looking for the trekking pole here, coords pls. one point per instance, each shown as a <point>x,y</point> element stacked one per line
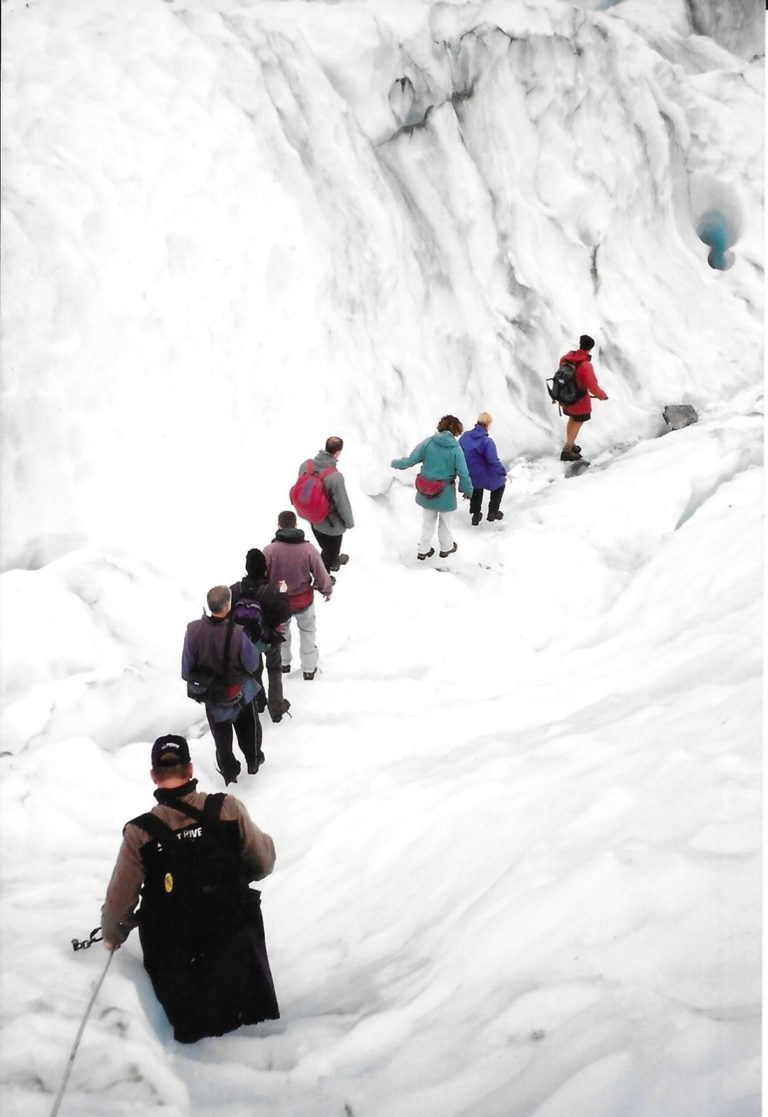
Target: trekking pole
<point>79,1036</point>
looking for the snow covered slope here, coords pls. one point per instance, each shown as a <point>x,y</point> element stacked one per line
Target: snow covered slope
<point>227,225</point>
<point>517,814</point>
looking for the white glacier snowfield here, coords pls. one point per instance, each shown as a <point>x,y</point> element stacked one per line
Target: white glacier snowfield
<point>517,814</point>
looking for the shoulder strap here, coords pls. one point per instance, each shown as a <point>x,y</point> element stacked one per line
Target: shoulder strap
<point>153,825</point>
<point>158,829</point>
<point>324,473</point>
<point>228,641</point>
<point>212,807</point>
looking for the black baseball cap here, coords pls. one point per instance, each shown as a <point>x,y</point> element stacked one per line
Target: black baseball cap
<point>170,750</point>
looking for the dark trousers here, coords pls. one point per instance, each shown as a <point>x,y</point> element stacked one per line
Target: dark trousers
<point>274,678</point>
<point>330,548</point>
<point>476,500</point>
<point>226,984</point>
<point>247,727</point>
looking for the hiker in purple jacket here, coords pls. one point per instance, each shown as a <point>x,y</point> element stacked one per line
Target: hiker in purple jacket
<point>215,644</point>
<point>485,469</point>
<point>295,561</point>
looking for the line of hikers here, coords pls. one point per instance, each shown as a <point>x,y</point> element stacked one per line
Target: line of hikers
<point>249,622</point>
<point>184,869</point>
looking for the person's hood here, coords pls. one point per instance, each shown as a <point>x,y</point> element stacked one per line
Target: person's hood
<point>289,535</point>
<point>444,438</point>
<point>324,460</point>
<point>250,585</point>
<point>477,434</point>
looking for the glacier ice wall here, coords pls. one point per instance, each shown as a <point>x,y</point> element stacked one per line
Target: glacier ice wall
<point>235,227</point>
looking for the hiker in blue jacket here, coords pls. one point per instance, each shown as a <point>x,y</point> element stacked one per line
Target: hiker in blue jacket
<point>443,461</point>
<point>485,469</point>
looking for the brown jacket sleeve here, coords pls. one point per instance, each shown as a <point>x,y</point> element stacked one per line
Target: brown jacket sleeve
<point>256,847</point>
<point>117,914</point>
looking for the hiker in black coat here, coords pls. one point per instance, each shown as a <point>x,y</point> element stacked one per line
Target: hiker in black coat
<point>200,924</point>
<point>276,611</point>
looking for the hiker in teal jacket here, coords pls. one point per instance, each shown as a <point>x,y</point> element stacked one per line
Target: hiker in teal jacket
<point>443,461</point>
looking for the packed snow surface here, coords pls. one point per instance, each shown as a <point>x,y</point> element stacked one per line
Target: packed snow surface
<point>517,814</point>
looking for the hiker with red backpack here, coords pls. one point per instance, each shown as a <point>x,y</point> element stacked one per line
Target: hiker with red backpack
<point>442,461</point>
<point>293,559</point>
<point>320,496</point>
<point>572,386</point>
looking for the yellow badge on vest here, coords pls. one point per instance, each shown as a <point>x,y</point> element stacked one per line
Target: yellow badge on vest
<point>168,882</point>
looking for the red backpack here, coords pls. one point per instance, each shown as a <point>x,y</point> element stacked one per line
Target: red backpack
<point>308,495</point>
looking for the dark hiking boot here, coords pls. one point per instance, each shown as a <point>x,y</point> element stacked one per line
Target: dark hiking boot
<point>285,668</point>
<point>342,560</point>
<point>569,456</point>
<point>577,448</point>
<point>495,516</point>
<point>309,675</point>
<point>254,765</point>
<point>277,715</point>
<point>476,518</point>
<point>231,774</point>
<point>445,554</point>
<point>429,554</point>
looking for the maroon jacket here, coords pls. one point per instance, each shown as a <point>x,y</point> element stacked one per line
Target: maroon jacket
<point>586,379</point>
<point>290,558</point>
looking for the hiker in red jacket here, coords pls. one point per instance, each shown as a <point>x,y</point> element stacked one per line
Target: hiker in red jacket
<point>580,411</point>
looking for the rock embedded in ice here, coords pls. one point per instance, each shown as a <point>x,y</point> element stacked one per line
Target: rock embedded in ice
<point>679,415</point>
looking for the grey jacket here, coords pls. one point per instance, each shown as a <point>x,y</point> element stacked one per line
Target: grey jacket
<point>340,517</point>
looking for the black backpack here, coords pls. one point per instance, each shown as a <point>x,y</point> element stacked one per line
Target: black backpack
<point>248,612</point>
<point>565,389</point>
<point>205,682</point>
<point>195,894</point>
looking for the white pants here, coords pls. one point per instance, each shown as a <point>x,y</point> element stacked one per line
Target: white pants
<point>444,529</point>
<point>308,652</point>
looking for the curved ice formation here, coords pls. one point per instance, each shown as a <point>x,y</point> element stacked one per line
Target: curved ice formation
<point>715,230</point>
